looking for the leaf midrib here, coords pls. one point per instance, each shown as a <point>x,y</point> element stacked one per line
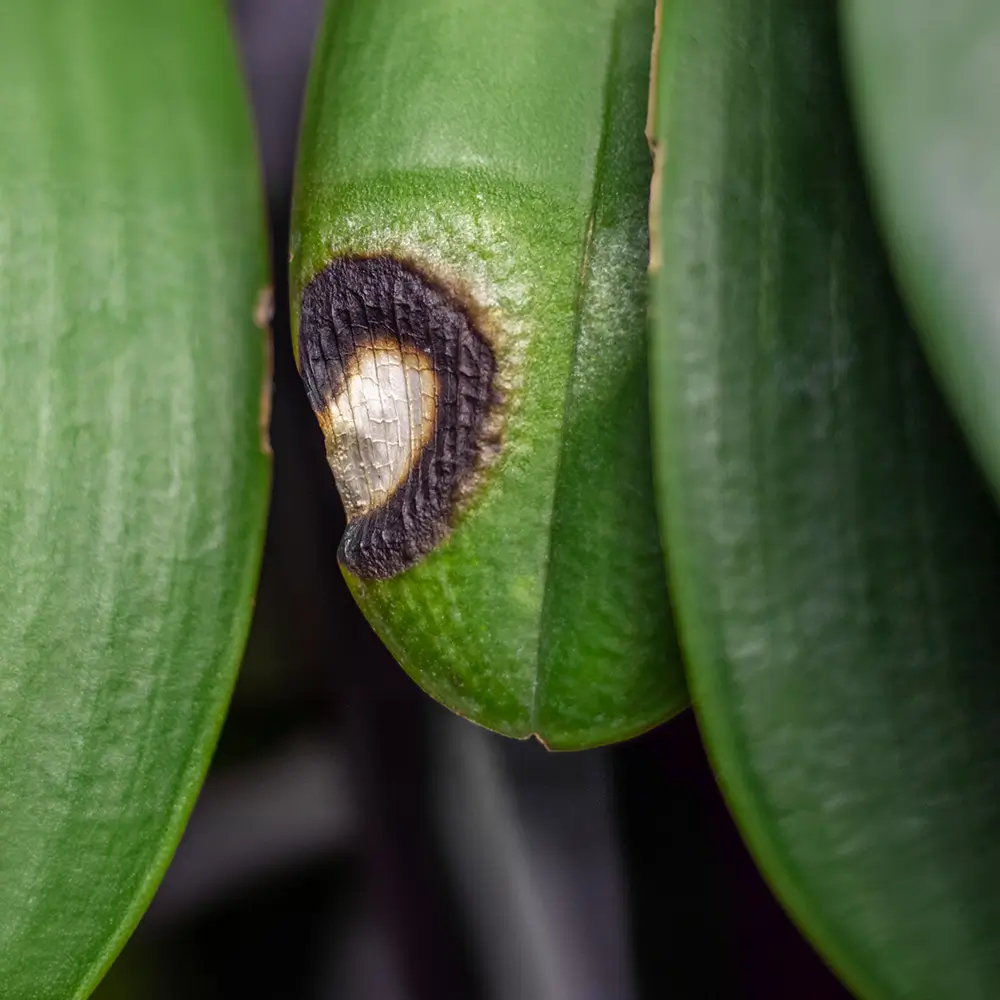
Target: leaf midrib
<point>583,281</point>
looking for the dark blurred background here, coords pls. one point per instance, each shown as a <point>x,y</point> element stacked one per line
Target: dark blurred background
<point>356,841</point>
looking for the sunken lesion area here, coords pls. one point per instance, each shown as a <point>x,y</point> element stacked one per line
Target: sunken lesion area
<point>403,385</point>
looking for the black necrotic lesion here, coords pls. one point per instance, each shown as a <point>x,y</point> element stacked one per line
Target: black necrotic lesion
<point>355,302</point>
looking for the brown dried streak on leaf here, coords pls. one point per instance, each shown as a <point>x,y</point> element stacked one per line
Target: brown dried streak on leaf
<point>659,157</point>
<point>263,312</point>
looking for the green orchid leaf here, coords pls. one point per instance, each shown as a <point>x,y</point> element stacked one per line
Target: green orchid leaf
<point>835,558</point>
<point>925,83</point>
<point>134,486</point>
<point>468,277</point>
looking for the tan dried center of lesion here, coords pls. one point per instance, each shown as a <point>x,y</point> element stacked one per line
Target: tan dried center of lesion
<point>379,423</point>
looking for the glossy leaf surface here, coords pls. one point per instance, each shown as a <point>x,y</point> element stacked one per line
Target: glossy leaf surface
<point>835,558</point>
<point>498,150</point>
<point>134,487</point>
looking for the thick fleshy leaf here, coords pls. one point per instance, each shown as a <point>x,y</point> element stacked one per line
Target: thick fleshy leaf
<point>925,81</point>
<point>469,250</point>
<point>134,486</point>
<point>835,559</point>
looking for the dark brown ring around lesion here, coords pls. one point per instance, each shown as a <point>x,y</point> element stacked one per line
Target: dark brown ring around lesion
<point>345,307</point>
